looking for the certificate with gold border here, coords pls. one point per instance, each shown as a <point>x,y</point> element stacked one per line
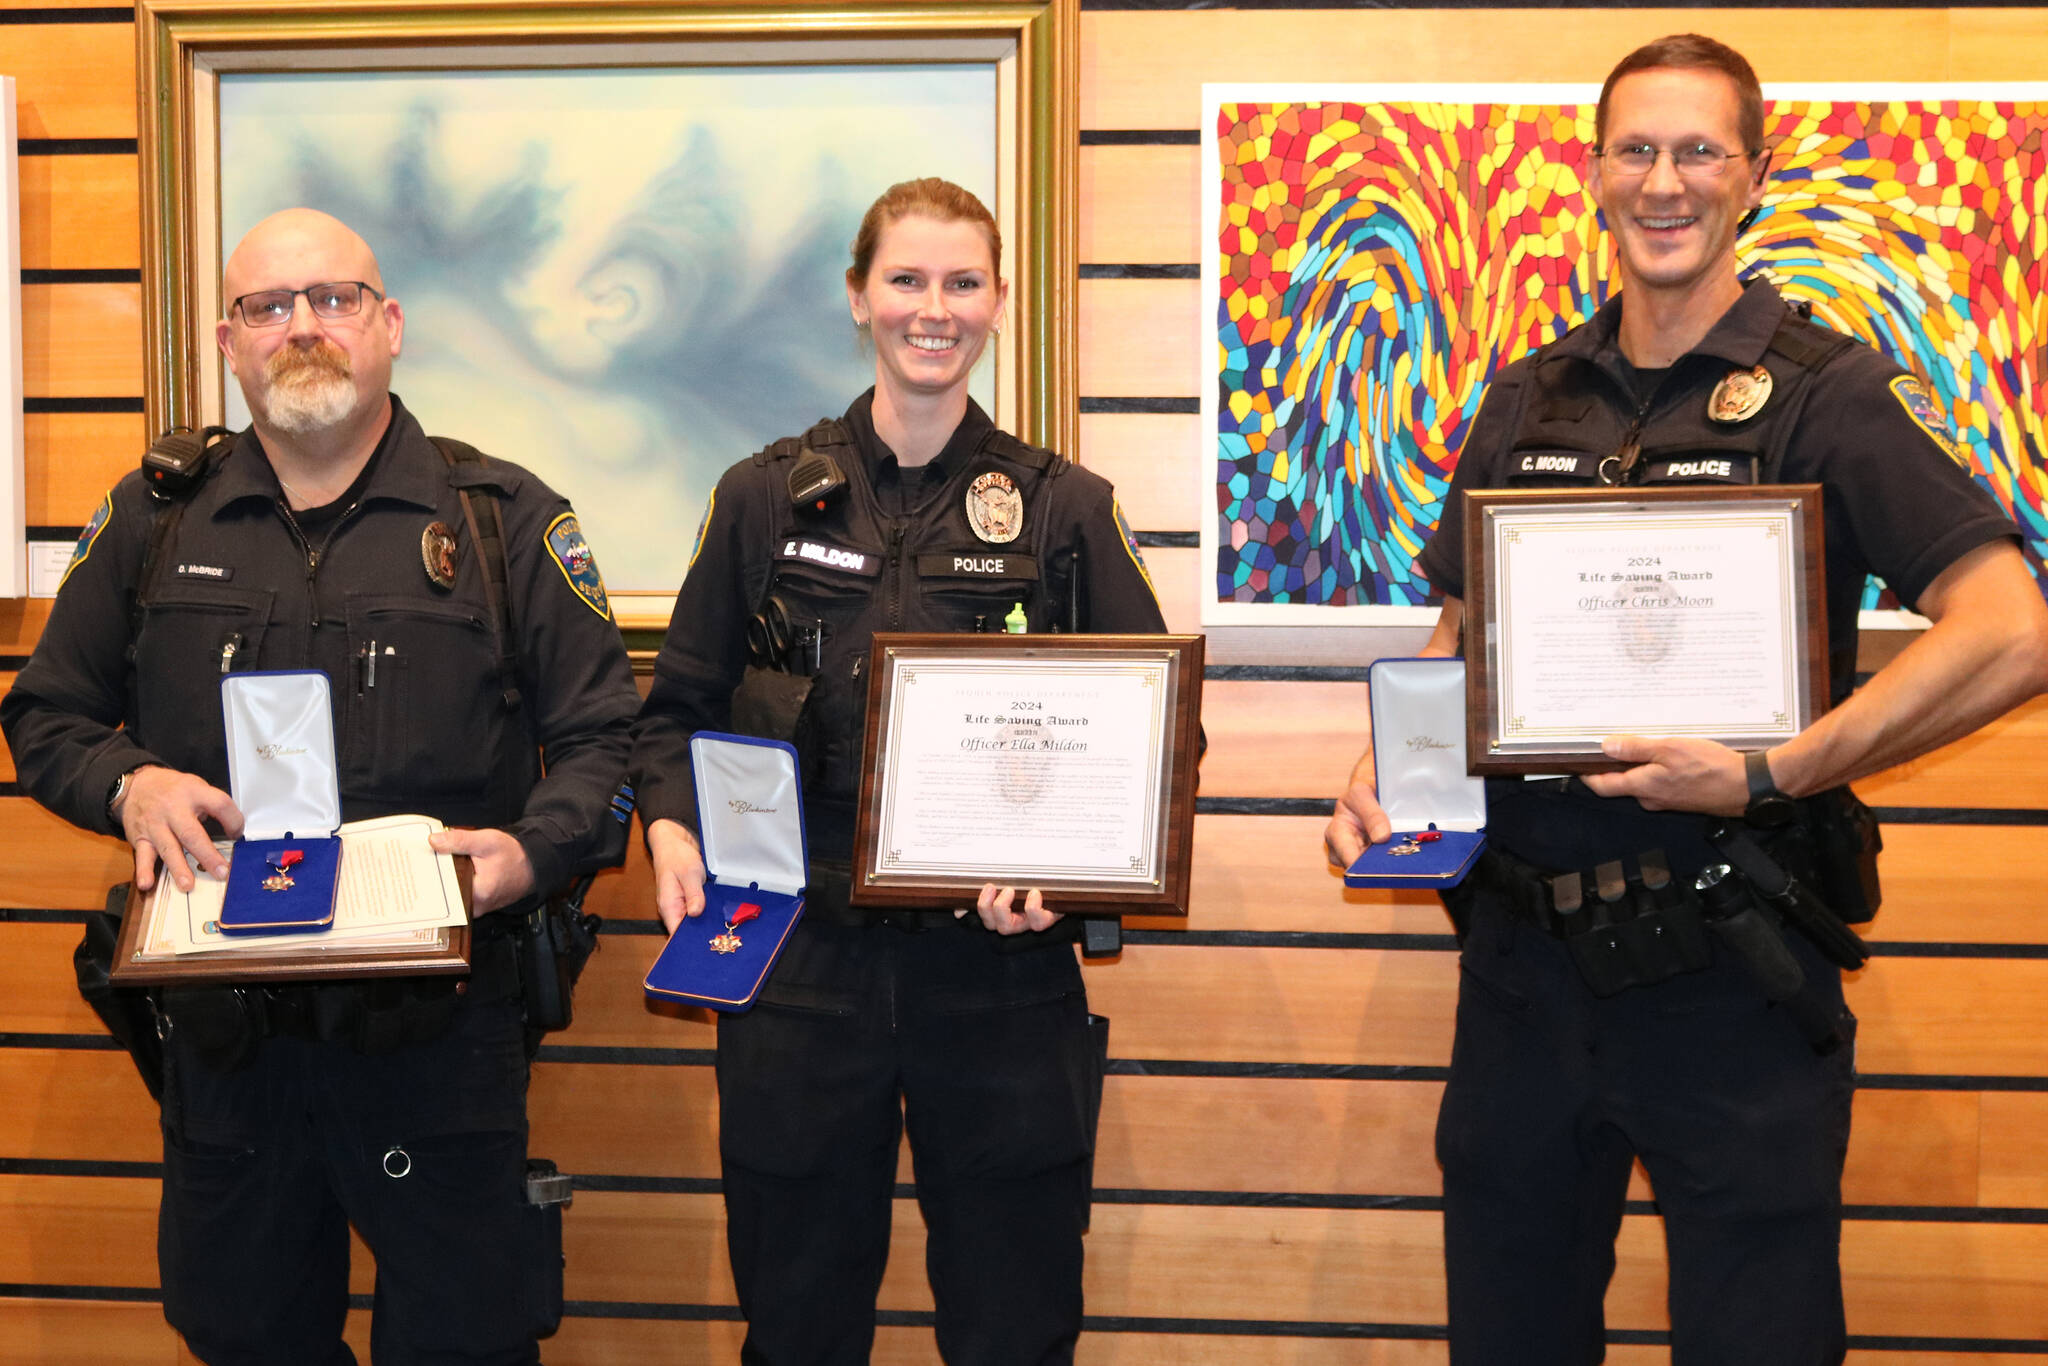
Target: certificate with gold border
<point>1685,611</point>
<point>1061,762</point>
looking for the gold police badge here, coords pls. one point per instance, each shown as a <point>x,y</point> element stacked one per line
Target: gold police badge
<point>994,508</point>
<point>437,554</point>
<point>1740,395</point>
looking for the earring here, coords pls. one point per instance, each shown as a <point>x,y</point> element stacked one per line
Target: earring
<point>860,324</point>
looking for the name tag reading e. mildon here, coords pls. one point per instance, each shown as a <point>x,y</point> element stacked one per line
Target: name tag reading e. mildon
<point>1062,762</point>
<point>1696,611</point>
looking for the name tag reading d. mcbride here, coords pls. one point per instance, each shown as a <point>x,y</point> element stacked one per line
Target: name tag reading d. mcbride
<point>1696,611</point>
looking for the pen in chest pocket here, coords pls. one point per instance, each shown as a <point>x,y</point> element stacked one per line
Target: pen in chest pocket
<point>366,663</point>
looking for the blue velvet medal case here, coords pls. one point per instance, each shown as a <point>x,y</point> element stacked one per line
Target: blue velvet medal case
<point>281,773</point>
<point>750,821</point>
<point>1418,754</point>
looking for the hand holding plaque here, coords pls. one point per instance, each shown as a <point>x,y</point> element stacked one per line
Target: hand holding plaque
<point>1001,910</point>
<point>1062,763</point>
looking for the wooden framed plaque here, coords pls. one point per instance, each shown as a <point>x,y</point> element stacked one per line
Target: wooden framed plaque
<point>162,929</point>
<point>1689,610</point>
<point>1062,762</point>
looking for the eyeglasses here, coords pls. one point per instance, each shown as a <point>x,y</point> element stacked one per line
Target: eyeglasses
<point>274,307</point>
<point>1698,159</point>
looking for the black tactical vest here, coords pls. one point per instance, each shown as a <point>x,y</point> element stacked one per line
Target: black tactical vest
<point>852,569</point>
<point>1571,431</point>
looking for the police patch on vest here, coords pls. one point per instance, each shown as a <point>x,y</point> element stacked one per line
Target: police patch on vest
<point>825,555</point>
<point>1740,395</point>
<point>1123,529</point>
<point>1912,394</point>
<point>969,565</point>
<point>88,536</point>
<point>437,554</point>
<point>572,556</point>
<point>994,508</point>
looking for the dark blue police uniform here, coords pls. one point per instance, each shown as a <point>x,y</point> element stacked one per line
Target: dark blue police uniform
<point>872,1023</point>
<point>1741,1124</point>
<point>397,1107</point>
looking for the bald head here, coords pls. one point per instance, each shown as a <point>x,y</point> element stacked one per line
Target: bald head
<point>294,248</point>
<point>319,378</point>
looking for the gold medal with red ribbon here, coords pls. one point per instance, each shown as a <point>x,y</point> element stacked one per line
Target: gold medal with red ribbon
<point>729,942</point>
<point>280,879</point>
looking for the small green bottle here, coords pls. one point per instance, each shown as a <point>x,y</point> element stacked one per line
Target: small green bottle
<point>1015,623</point>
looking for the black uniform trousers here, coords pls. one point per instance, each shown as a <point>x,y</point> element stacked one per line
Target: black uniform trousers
<point>422,1149</point>
<point>1741,1126</point>
<point>986,1057</point>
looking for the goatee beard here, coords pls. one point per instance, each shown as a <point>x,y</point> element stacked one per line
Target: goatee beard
<point>309,390</point>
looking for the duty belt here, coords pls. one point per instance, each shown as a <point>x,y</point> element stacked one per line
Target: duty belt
<point>1622,930</point>
<point>1625,930</point>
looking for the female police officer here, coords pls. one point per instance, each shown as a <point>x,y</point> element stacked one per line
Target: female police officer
<point>912,512</point>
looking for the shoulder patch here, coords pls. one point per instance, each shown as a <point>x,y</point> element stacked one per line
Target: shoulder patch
<point>88,536</point>
<point>572,556</point>
<point>703,525</point>
<point>1913,395</point>
<point>1130,538</point>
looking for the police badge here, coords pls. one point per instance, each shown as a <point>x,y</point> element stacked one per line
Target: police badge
<point>1740,395</point>
<point>437,554</point>
<point>994,508</point>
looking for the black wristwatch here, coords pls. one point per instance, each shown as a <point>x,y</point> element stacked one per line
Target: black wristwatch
<point>1767,807</point>
<point>117,790</point>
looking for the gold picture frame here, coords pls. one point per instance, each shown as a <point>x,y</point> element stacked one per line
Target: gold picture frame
<point>186,46</point>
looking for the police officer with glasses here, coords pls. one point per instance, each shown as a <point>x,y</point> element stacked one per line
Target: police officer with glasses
<point>333,535</point>
<point>1737,1105</point>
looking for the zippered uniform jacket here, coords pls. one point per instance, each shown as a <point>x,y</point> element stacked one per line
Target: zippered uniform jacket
<point>421,717</point>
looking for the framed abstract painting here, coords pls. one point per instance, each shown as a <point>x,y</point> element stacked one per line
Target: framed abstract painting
<point>620,236</point>
<point>1374,255</point>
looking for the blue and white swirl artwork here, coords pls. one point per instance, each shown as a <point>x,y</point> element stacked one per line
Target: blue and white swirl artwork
<point>624,279</point>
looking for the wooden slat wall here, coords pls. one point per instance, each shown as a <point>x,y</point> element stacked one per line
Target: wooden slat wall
<point>1307,1027</point>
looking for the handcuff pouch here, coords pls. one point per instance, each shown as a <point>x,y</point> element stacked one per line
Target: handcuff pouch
<point>1645,936</point>
<point>284,780</point>
<point>750,822</point>
<point>1418,753</point>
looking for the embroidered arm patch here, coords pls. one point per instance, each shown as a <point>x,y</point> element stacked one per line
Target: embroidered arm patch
<point>1920,405</point>
<point>572,556</point>
<point>703,525</point>
<point>86,537</point>
<point>1123,529</point>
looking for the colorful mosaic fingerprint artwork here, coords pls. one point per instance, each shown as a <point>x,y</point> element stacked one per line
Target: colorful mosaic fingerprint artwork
<point>1379,262</point>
